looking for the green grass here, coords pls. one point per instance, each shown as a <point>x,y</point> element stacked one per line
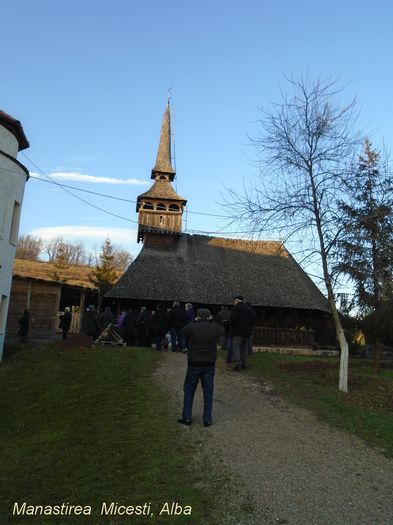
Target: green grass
<point>312,382</point>
<point>86,426</point>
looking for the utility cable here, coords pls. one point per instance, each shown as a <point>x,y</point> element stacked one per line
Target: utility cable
<point>76,196</point>
<point>66,188</point>
<point>114,197</point>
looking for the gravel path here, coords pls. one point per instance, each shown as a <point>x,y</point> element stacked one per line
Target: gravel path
<point>285,466</point>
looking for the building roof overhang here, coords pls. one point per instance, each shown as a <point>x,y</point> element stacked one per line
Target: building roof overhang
<point>15,127</point>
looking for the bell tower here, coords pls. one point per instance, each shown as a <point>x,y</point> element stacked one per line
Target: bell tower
<point>160,209</point>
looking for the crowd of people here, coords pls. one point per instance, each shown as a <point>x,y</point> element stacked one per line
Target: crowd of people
<point>164,327</point>
<point>180,330</point>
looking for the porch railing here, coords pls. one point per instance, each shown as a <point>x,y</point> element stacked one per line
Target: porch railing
<point>265,335</point>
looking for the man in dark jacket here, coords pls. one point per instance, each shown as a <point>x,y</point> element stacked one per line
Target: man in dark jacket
<point>129,325</point>
<point>202,355</point>
<point>65,321</point>
<point>241,325</point>
<point>89,325</point>
<point>159,326</point>
<point>176,321</point>
<point>142,325</point>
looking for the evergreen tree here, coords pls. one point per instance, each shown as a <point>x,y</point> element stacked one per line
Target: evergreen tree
<point>366,247</point>
<point>104,272</point>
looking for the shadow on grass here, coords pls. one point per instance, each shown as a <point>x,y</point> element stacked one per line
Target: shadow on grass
<point>87,426</point>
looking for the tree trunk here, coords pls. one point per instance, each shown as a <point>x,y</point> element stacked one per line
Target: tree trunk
<point>342,341</point>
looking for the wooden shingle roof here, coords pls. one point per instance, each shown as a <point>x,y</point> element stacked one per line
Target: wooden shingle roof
<point>212,270</point>
<point>162,189</point>
<point>163,161</point>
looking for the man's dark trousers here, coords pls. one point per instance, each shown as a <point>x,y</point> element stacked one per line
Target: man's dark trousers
<point>206,374</point>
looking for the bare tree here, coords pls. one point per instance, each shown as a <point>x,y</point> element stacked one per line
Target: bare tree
<point>67,252</point>
<point>306,146</point>
<point>78,253</point>
<point>122,259</point>
<point>91,259</point>
<point>29,247</point>
<point>52,246</point>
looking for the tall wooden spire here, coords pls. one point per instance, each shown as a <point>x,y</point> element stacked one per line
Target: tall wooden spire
<point>163,162</point>
<point>160,209</point>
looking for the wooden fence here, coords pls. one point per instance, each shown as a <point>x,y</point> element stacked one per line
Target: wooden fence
<point>265,335</point>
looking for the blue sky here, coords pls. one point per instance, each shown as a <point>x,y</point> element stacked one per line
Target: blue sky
<point>89,81</point>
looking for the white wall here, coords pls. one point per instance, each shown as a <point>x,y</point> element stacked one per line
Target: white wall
<point>12,187</point>
<point>8,142</point>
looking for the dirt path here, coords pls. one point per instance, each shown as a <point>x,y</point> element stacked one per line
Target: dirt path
<point>286,467</point>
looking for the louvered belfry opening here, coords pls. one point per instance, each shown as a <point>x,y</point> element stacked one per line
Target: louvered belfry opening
<point>160,209</point>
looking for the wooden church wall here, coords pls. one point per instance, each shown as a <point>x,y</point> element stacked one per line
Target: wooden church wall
<point>160,220</point>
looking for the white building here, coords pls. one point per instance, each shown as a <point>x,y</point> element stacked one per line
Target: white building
<point>13,177</point>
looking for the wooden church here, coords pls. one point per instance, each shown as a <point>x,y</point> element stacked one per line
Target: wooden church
<point>211,271</point>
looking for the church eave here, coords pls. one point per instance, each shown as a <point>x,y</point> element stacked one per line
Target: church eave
<point>208,270</point>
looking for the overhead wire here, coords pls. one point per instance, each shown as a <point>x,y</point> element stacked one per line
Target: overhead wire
<point>66,188</point>
<point>51,181</point>
<point>76,196</point>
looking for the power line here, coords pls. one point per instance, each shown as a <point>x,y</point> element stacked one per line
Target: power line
<point>76,196</point>
<point>84,191</point>
<point>66,188</point>
<point>134,202</point>
<point>51,181</point>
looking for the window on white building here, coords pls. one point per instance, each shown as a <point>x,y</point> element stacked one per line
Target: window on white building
<point>15,224</point>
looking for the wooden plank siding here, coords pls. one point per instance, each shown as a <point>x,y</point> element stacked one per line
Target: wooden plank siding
<point>42,299</point>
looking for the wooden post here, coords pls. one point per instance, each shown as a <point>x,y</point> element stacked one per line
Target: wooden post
<point>28,297</point>
<point>82,308</point>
